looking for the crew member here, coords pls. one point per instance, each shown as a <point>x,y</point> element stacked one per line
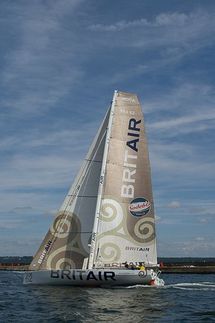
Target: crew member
<point>141,267</point>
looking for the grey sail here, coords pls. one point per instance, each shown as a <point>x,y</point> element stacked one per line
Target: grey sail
<point>125,229</point>
<point>66,244</point>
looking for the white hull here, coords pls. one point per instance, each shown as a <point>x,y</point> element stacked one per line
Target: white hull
<point>93,278</point>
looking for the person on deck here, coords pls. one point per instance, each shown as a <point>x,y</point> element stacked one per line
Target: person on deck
<point>126,264</point>
<point>141,266</point>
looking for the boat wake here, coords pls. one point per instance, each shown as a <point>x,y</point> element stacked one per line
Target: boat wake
<point>142,286</point>
<point>183,286</point>
<point>193,286</point>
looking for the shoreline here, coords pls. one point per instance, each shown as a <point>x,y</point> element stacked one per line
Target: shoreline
<point>170,269</point>
<point>188,269</point>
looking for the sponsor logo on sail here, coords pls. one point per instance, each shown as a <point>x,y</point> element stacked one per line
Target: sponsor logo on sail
<point>129,100</point>
<point>139,206</point>
<point>128,248</point>
<point>130,159</point>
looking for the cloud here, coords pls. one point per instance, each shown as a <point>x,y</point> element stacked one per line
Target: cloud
<point>208,209</point>
<point>118,26</point>
<point>187,169</point>
<point>174,29</point>
<point>197,247</point>
<point>205,214</point>
<point>164,19</point>
<point>184,97</point>
<point>178,124</point>
<point>18,247</point>
<point>22,209</point>
<point>10,223</point>
<point>174,205</point>
<point>199,238</point>
<point>162,42</point>
<point>26,172</point>
<point>35,76</point>
<point>184,121</point>
<point>43,160</point>
<point>51,213</point>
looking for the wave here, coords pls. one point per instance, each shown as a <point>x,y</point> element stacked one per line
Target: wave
<point>140,286</point>
<point>193,286</point>
<point>187,286</point>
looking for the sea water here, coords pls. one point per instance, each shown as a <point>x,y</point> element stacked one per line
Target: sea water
<point>184,298</point>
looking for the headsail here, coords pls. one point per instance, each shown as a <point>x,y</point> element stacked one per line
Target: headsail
<point>125,229</point>
<point>66,244</point>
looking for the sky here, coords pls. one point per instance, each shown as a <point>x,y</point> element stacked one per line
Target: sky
<point>60,62</point>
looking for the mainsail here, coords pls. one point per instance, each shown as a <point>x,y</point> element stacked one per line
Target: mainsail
<point>108,215</point>
<point>125,229</point>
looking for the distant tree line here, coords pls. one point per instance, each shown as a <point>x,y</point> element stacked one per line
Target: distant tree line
<point>26,260</point>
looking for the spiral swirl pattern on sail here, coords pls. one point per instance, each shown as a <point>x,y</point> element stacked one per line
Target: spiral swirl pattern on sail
<point>111,213</point>
<point>120,232</point>
<point>65,226</point>
<point>66,250</point>
<point>144,230</point>
<point>64,259</point>
<point>110,251</point>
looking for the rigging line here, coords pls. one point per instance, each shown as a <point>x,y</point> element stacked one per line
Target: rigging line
<point>87,196</point>
<point>94,161</point>
<point>77,231</point>
<point>95,153</point>
<point>85,171</point>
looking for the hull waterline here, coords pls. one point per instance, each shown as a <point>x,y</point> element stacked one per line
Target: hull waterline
<point>93,278</point>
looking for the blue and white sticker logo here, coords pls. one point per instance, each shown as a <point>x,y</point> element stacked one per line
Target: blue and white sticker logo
<point>139,206</point>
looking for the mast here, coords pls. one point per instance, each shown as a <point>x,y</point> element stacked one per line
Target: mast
<point>101,185</point>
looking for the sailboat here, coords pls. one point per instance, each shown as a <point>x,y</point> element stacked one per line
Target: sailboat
<point>104,232</point>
